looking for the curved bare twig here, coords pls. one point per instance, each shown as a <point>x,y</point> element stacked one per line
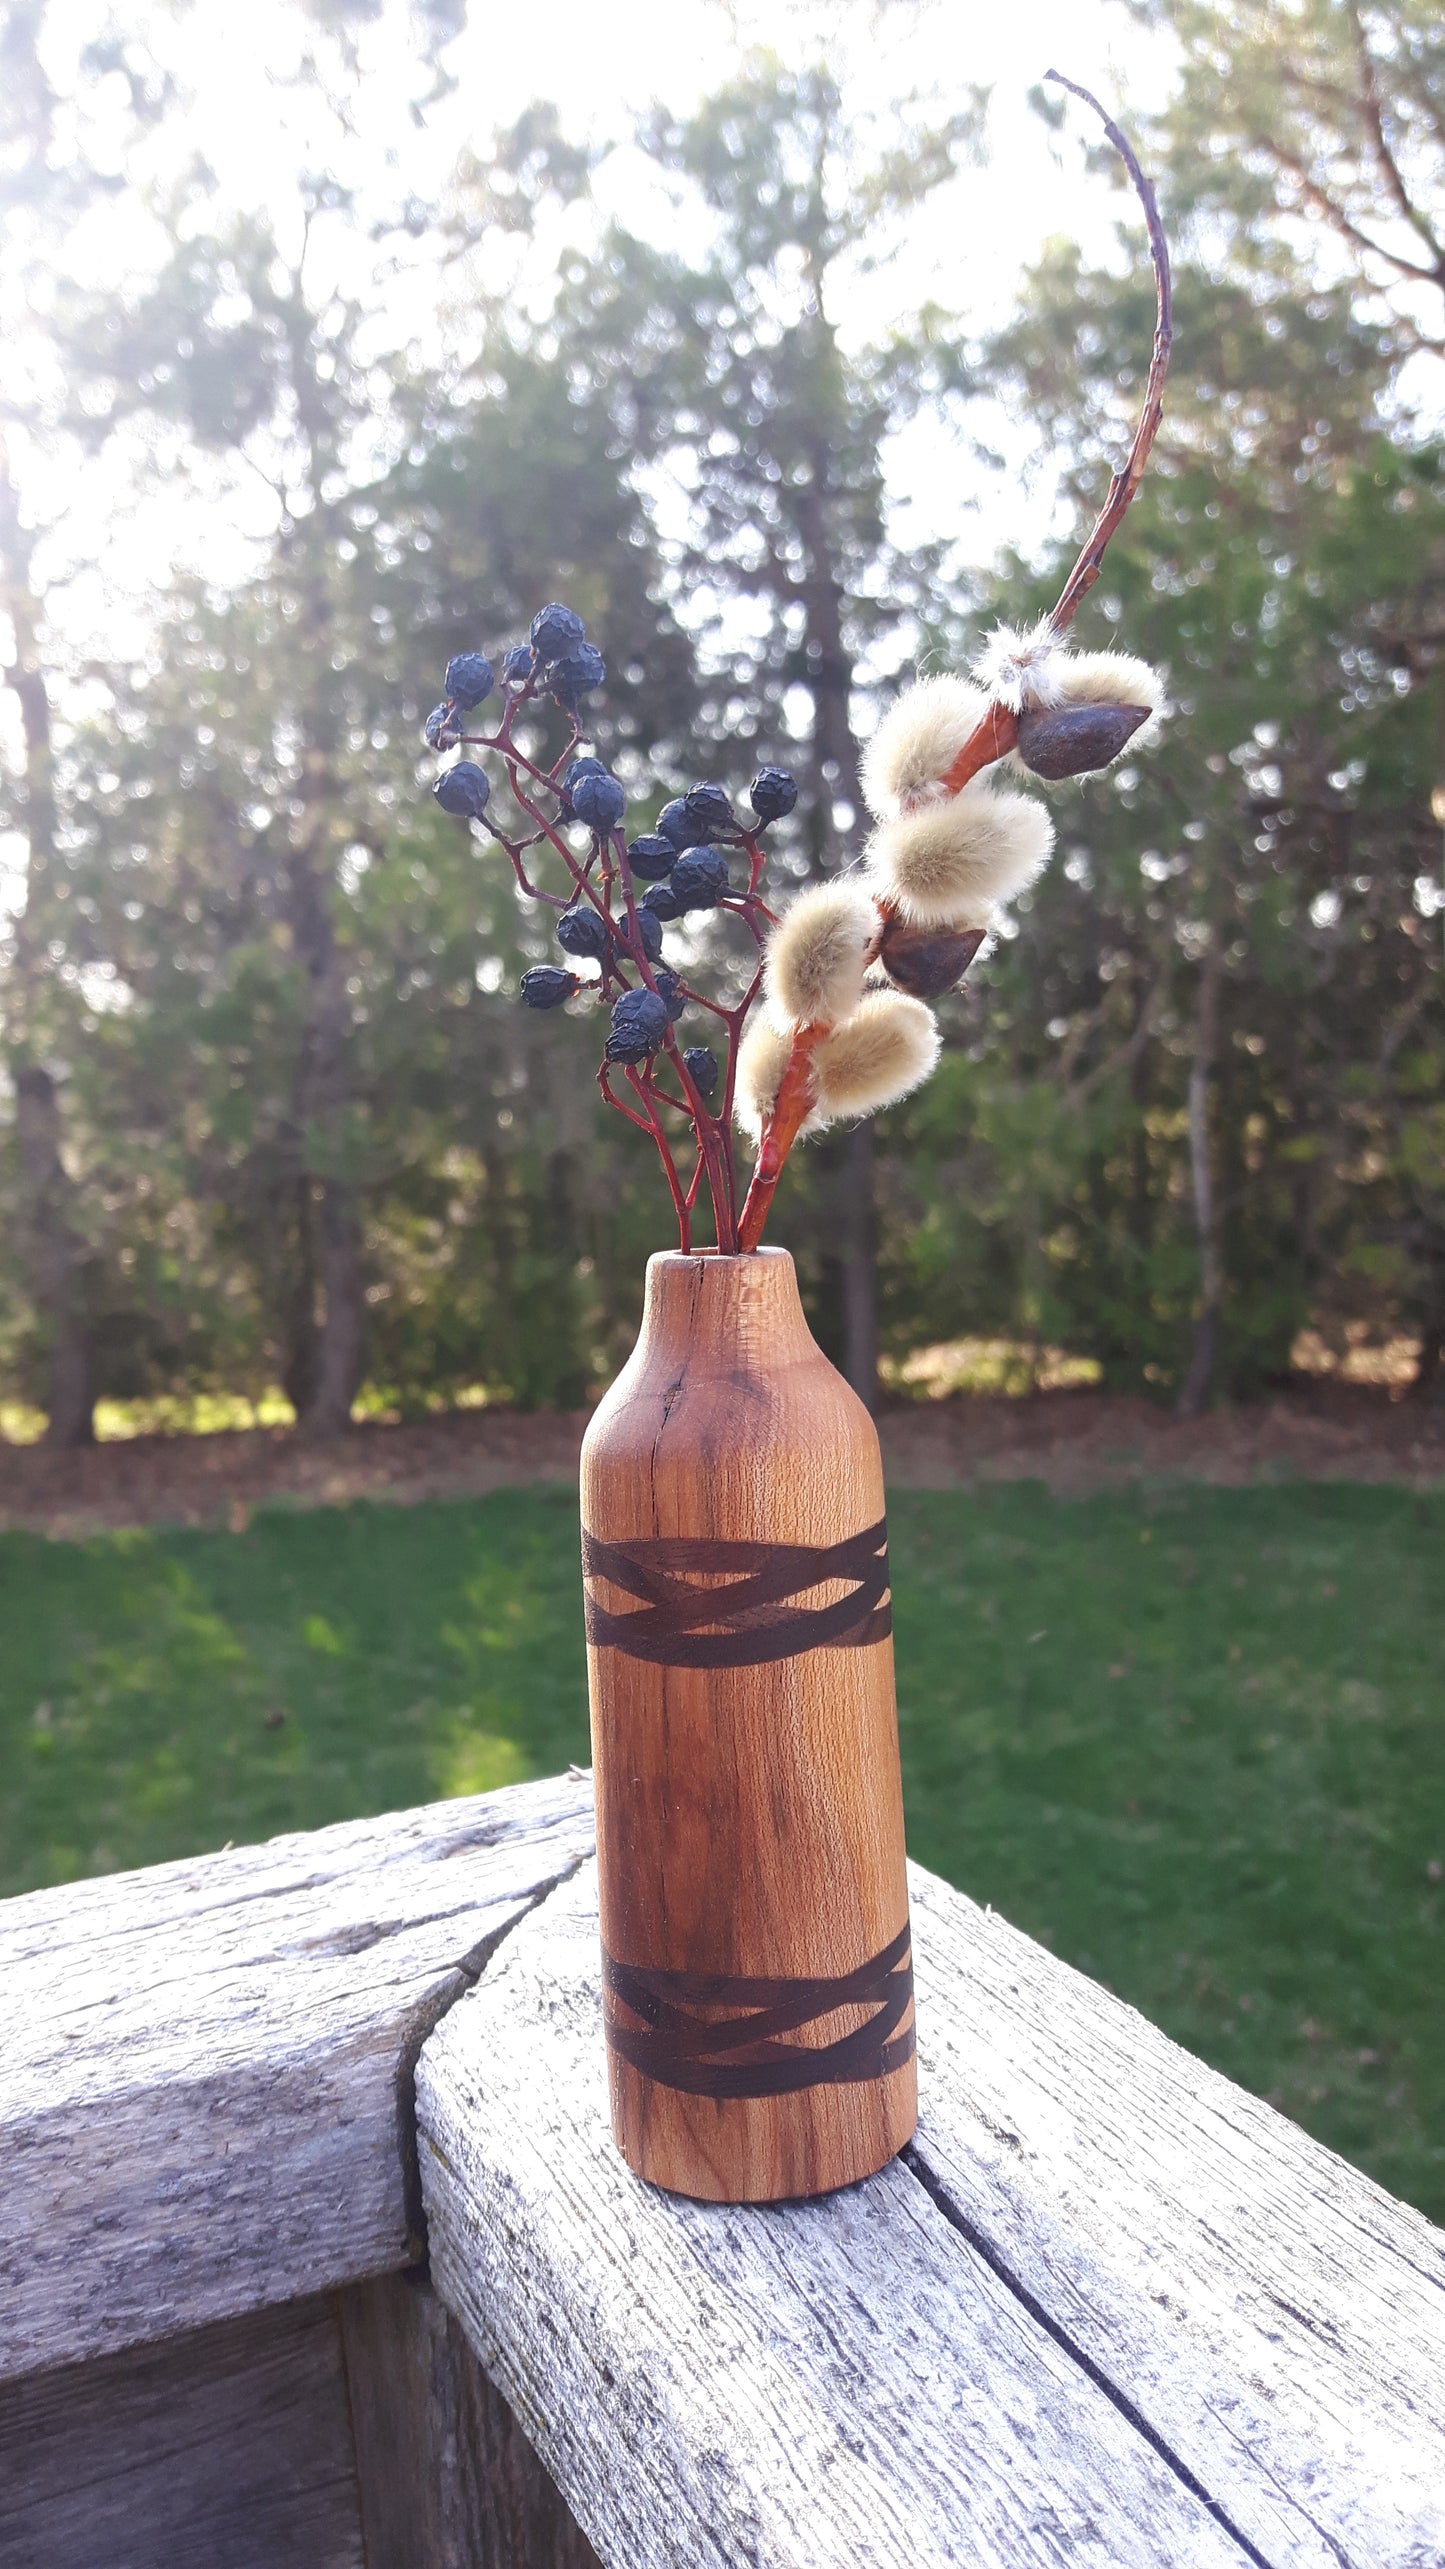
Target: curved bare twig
<point>997,731</point>
<point>1126,481</point>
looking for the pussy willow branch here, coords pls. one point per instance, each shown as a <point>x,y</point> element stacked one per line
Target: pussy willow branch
<point>791,1108</point>
<point>997,729</point>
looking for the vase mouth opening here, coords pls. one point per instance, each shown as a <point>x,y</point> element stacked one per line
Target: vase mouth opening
<point>720,1258</point>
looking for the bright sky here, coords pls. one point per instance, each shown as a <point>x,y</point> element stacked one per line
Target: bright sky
<point>603,66</point>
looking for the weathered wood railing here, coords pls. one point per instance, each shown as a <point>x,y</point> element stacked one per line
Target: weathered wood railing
<point>1107,2311</point>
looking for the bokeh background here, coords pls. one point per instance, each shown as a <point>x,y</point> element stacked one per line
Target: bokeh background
<point>793,348</point>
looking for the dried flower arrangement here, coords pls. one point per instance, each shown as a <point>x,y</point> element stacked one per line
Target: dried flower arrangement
<point>845,976</point>
<point>756,1971</point>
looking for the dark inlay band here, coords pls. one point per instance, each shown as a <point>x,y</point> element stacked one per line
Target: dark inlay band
<point>741,2054</point>
<point>737,1624</point>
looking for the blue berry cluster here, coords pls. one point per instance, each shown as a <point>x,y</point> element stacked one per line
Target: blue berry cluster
<point>556,660</point>
<point>683,861</point>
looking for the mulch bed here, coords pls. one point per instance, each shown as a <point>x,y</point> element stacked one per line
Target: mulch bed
<point>1073,1441</point>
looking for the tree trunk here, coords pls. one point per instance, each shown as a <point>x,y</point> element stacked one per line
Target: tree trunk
<point>298,1298</point>
<point>342,1354</point>
<point>1428,1379</point>
<point>325,1119</point>
<point>57,1259</point>
<point>837,773</point>
<point>860,1271</point>
<point>1199,1383</point>
<point>339,1330</point>
<point>323,1095</point>
<point>837,768</point>
<point>56,1251</point>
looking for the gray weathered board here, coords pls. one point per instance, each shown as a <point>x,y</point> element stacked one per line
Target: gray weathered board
<point>205,2100</point>
<point>227,2448</point>
<point>446,2478</point>
<point>1109,2311</point>
<point>355,2430</point>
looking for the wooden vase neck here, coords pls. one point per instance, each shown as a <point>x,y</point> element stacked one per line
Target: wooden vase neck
<point>729,1313</point>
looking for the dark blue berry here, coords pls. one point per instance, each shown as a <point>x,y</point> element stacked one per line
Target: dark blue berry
<point>470,679</point>
<point>583,930</point>
<point>579,768</point>
<point>675,823</point>
<point>546,985</point>
<point>669,990</point>
<point>651,858</point>
<point>599,801</point>
<point>463,790</point>
<point>708,808</point>
<point>701,1068</point>
<point>555,629</point>
<point>661,901</point>
<point>639,1025</point>
<point>575,674</point>
<point>518,664</point>
<point>440,728</point>
<point>772,794</point>
<point>699,879</point>
<point>649,931</point>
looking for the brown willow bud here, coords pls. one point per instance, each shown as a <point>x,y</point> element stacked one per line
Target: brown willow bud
<point>1072,740</point>
<point>927,961</point>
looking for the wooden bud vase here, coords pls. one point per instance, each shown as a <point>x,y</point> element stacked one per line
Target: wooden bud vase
<point>757,1980</point>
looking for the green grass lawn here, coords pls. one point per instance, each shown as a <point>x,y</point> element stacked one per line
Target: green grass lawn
<point>1195,1740</point>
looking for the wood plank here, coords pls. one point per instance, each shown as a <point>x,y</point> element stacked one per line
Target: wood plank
<point>845,2381</point>
<point>1277,2319</point>
<point>447,2479</point>
<point>206,2105</point>
<point>227,2448</point>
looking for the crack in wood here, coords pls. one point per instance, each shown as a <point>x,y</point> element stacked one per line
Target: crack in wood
<point>469,1970</point>
<point>934,2187</point>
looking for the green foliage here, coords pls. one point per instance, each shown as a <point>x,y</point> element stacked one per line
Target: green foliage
<point>1155,1730</point>
<point>1326,114</point>
<point>273,988</point>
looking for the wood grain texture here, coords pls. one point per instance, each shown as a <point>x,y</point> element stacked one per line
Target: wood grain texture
<point>206,2100</point>
<point>447,2479</point>
<point>1276,2319</point>
<point>843,2382</point>
<point>750,1815</point>
<point>226,2448</point>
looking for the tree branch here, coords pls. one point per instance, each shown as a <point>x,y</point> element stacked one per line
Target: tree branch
<point>1334,213</point>
<point>1389,165</point>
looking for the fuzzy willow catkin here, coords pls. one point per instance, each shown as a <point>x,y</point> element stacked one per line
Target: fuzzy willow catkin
<point>949,864</point>
<point>816,955</point>
<point>917,742</point>
<point>762,1060</point>
<point>1108,678</point>
<point>887,1049</point>
<point>1018,666</point>
<point>1033,671</point>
